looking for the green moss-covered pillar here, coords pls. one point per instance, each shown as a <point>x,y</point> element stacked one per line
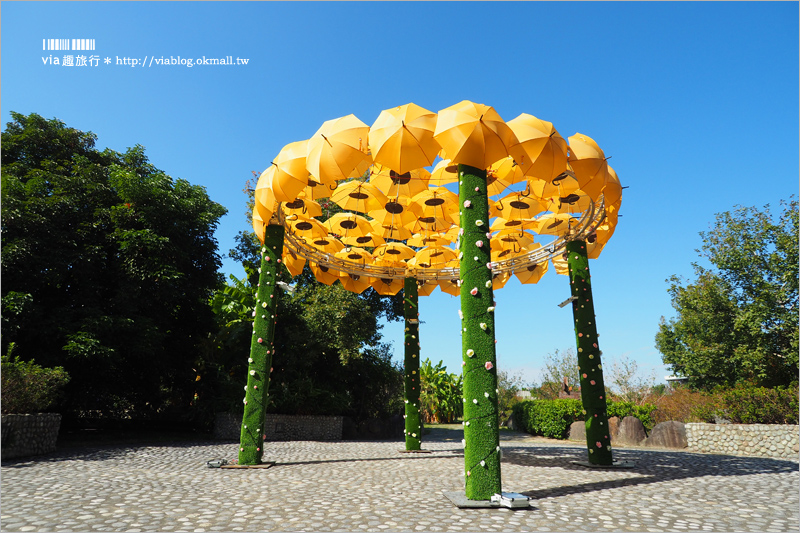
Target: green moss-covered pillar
<point>481,424</point>
<point>411,312</point>
<point>593,391</point>
<point>261,349</point>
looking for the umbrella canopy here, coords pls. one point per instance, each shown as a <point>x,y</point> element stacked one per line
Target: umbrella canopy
<point>589,164</point>
<point>348,224</point>
<point>359,196</point>
<point>355,255</point>
<point>574,202</point>
<point>558,187</point>
<point>557,224</point>
<point>259,227</point>
<point>369,240</point>
<point>398,211</point>
<point>390,231</point>
<point>450,286</point>
<point>443,173</point>
<point>532,273</point>
<point>337,149</point>
<point>316,190</point>
<point>473,134</point>
<point>354,282</point>
<point>501,224</point>
<point>428,239</point>
<point>430,224</point>
<point>425,288</point>
<point>402,138</point>
<point>294,263</point>
<point>613,190</point>
<point>324,274</point>
<point>289,173</point>
<point>327,244</point>
<point>561,266</point>
<point>541,151</point>
<point>435,202</point>
<point>499,280</point>
<point>434,257</point>
<point>396,185</point>
<point>516,205</point>
<point>387,286</point>
<point>394,252</point>
<point>307,228</point>
<point>264,198</point>
<point>303,207</point>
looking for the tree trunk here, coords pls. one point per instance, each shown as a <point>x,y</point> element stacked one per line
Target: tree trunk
<point>411,368</point>
<point>481,424</point>
<point>593,392</point>
<point>261,349</point>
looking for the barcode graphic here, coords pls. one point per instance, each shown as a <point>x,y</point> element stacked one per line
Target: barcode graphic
<point>68,44</point>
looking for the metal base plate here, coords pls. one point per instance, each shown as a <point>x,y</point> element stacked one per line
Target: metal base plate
<point>615,464</point>
<point>262,465</point>
<point>459,499</point>
<point>416,451</point>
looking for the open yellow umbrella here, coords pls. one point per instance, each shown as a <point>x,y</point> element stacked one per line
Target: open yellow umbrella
<point>574,202</point>
<point>387,286</point>
<point>435,257</point>
<point>259,227</point>
<point>402,138</point>
<point>541,151</point>
<point>294,263</point>
<point>355,255</point>
<point>613,190</point>
<point>359,196</point>
<point>473,134</point>
<point>306,228</point>
<point>589,164</point>
<point>303,207</point>
<point>443,173</point>
<point>428,239</point>
<point>337,148</point>
<point>289,173</point>
<point>391,231</point>
<point>394,252</point>
<point>354,282</point>
<point>516,205</point>
<point>397,211</point>
<point>557,224</point>
<point>532,273</point>
<point>316,190</point>
<point>558,187</point>
<point>396,185</point>
<point>515,224</point>
<point>425,288</point>
<point>500,279</point>
<point>560,265</point>
<point>324,274</point>
<point>430,224</point>
<point>370,240</point>
<point>436,202</point>
<point>347,224</point>
<point>449,286</point>
<point>328,244</point>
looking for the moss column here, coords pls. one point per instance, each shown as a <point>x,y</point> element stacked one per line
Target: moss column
<point>481,424</point>
<point>412,384</point>
<point>593,391</point>
<point>261,349</point>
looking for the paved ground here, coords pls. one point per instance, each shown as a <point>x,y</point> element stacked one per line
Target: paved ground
<point>370,486</point>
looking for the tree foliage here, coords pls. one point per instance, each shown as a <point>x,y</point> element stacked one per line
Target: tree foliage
<point>107,267</point>
<point>557,365</point>
<point>738,321</point>
<point>440,393</point>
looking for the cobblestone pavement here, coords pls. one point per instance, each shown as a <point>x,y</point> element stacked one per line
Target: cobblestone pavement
<point>371,486</point>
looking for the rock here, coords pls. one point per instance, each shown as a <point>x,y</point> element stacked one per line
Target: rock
<point>631,431</point>
<point>613,427</point>
<point>670,434</point>
<point>577,431</point>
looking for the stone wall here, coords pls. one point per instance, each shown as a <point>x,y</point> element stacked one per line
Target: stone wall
<point>766,440</point>
<point>228,426</point>
<point>29,434</point>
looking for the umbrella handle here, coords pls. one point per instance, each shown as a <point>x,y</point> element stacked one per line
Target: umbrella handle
<point>499,204</point>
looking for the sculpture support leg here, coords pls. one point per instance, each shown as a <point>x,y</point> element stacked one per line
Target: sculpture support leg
<point>413,431</point>
<point>481,424</point>
<point>593,392</point>
<point>251,442</point>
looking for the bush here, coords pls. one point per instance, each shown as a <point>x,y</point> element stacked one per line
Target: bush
<point>758,405</point>
<point>684,405</point>
<point>28,387</point>
<point>552,418</point>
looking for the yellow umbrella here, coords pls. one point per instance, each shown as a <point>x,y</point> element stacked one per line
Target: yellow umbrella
<point>558,187</point>
<point>541,151</point>
<point>369,240</point>
<point>294,263</point>
<point>473,134</point>
<point>430,239</point>
<point>556,224</point>
<point>561,266</point>
<point>398,211</point>
<point>396,185</point>
<point>500,279</point>
<point>302,206</point>
<point>613,190</point>
<point>574,202</point>
<point>358,196</point>
<point>402,138</point>
<point>290,175</point>
<point>347,224</point>
<point>387,286</point>
<point>425,288</point>
<point>436,202</point>
<point>354,282</point>
<point>449,286</point>
<point>516,205</point>
<point>394,252</point>
<point>337,148</point>
<point>264,197</point>
<point>443,173</point>
<point>324,274</point>
<point>505,171</point>
<point>307,228</point>
<point>532,273</point>
<point>517,224</point>
<point>259,227</point>
<point>328,244</point>
<point>316,190</point>
<point>434,257</point>
<point>589,164</point>
<point>430,224</point>
<point>390,231</point>
<point>355,255</point>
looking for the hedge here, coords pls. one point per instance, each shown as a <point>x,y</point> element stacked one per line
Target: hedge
<point>28,387</point>
<point>552,418</point>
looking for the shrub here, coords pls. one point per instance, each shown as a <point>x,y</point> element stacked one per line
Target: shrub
<point>684,405</point>
<point>28,387</point>
<point>643,412</point>
<point>759,405</point>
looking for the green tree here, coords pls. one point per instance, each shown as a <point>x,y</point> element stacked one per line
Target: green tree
<point>441,398</point>
<point>738,321</point>
<point>557,365</point>
<point>107,267</point>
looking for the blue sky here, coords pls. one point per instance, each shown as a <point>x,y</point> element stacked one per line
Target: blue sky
<point>696,103</point>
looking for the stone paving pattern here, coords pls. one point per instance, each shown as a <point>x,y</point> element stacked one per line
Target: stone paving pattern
<point>360,486</point>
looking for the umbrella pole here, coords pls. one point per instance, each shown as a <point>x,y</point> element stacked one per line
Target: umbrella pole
<point>413,431</point>
<point>593,392</point>
<point>261,349</point>
<point>481,423</point>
